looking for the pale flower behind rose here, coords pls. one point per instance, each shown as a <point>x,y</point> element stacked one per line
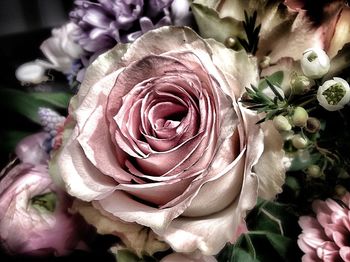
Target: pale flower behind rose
<point>33,215</point>
<point>34,219</point>
<point>60,51</point>
<point>32,149</point>
<point>158,138</point>
<point>326,236</point>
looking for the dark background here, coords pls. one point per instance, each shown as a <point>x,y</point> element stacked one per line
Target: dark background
<point>24,25</point>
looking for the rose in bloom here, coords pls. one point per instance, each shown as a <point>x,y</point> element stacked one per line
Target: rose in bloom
<point>33,210</point>
<point>326,237</point>
<point>156,136</point>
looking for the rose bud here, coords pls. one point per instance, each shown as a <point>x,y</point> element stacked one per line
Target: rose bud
<point>315,63</point>
<point>334,94</point>
<point>33,214</point>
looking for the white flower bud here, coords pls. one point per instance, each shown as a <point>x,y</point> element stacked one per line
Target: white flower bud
<point>301,84</point>
<point>334,94</point>
<point>281,123</point>
<point>265,62</point>
<point>31,73</point>
<point>299,142</point>
<point>340,190</point>
<point>299,117</point>
<point>314,171</point>
<point>315,63</point>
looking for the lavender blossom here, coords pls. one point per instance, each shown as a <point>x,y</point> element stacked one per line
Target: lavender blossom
<point>103,23</point>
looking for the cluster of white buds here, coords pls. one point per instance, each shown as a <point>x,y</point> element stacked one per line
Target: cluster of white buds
<point>50,120</point>
<point>332,94</point>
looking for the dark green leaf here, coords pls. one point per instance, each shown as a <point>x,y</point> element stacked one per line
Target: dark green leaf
<point>27,104</point>
<point>233,253</point>
<point>58,99</point>
<point>280,243</point>
<point>274,90</point>
<point>126,256</point>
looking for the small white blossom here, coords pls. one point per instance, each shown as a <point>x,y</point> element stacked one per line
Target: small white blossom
<point>315,63</point>
<point>31,73</point>
<point>334,94</point>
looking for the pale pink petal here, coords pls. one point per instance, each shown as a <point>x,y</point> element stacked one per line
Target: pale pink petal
<point>181,257</point>
<point>31,149</point>
<point>345,253</point>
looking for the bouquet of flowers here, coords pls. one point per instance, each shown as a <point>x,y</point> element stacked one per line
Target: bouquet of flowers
<point>199,130</point>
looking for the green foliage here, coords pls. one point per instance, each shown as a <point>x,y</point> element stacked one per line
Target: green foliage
<point>250,44</point>
<point>27,104</point>
<point>272,232</point>
<point>257,100</point>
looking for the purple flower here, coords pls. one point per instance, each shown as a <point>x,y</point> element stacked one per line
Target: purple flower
<point>103,23</point>
<point>326,237</point>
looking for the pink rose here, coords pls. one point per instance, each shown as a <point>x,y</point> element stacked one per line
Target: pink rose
<point>158,137</point>
<point>178,257</point>
<point>33,213</point>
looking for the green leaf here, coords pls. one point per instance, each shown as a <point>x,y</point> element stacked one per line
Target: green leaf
<point>292,185</point>
<point>239,254</point>
<point>208,22</point>
<point>232,253</point>
<point>27,104</point>
<point>276,79</point>
<point>126,256</point>
<point>57,99</point>
<point>274,90</point>
<point>280,243</point>
<point>272,217</point>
